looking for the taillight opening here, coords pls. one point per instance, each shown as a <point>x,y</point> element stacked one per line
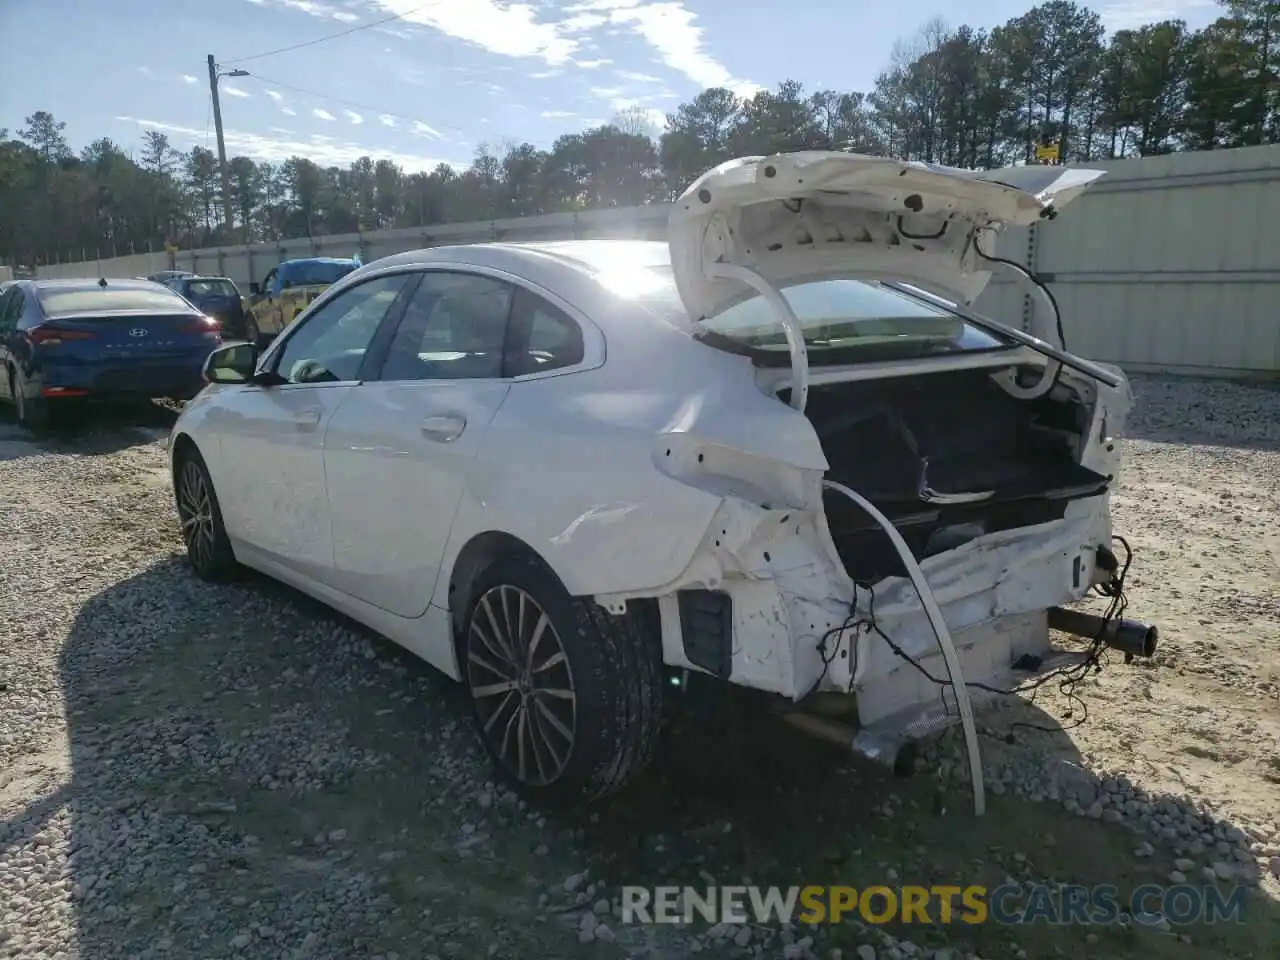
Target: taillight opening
<point>52,335</point>
<point>203,325</point>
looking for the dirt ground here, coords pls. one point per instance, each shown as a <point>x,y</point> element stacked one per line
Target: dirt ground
<point>191,771</point>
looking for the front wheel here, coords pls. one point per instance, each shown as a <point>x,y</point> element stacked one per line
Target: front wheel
<point>567,698</point>
<point>208,547</point>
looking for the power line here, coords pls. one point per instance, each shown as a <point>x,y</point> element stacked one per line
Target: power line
<point>324,39</point>
<point>353,104</point>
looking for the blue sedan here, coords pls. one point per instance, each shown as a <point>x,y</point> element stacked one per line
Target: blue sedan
<point>68,340</point>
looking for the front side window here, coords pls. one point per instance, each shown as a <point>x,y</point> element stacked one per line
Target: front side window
<point>330,344</point>
<point>454,328</point>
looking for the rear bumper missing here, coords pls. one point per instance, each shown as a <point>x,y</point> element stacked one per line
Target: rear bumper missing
<point>764,607</point>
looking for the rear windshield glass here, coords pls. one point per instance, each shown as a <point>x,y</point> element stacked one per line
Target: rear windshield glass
<point>211,288</point>
<point>843,320</point>
<point>62,301</point>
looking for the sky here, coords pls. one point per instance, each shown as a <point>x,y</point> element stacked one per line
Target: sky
<point>447,76</point>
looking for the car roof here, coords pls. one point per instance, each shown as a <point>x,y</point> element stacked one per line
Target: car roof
<point>592,256</point>
<point>124,283</point>
<point>570,269</point>
<point>333,260</point>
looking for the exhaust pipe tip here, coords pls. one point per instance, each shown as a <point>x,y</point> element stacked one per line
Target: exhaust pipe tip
<point>898,755</point>
<point>1134,637</point>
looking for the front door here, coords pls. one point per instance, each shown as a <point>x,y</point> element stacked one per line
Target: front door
<point>274,495</point>
<point>399,452</point>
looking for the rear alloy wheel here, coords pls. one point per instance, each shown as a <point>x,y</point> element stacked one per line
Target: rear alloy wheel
<point>208,547</point>
<point>567,698</point>
<point>31,414</point>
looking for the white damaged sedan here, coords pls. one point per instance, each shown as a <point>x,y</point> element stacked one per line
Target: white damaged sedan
<point>777,451</point>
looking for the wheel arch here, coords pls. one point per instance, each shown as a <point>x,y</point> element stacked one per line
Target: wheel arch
<point>487,548</point>
<point>181,446</point>
<point>477,555</point>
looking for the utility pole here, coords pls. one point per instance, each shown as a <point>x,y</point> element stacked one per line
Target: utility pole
<point>222,146</point>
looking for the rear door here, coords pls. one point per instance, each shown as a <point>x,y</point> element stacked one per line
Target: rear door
<point>270,437</point>
<point>399,452</point>
<point>11,304</point>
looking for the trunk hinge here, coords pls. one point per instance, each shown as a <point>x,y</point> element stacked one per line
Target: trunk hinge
<point>786,317</point>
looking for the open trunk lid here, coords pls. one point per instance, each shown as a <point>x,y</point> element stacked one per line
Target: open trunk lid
<point>816,215</point>
<point>757,224</point>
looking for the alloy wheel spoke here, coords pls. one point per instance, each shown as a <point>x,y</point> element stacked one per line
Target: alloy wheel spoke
<point>499,635</point>
<point>493,689</point>
<point>522,684</point>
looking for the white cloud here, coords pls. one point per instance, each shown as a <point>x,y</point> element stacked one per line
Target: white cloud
<point>353,116</point>
<point>558,114</point>
<point>187,78</point>
<point>320,114</point>
<point>545,74</point>
<point>387,120</point>
<point>231,91</point>
<point>289,111</point>
<point>508,29</point>
<point>313,8</point>
<point>145,71</point>
<point>427,131</point>
<point>638,77</point>
<point>325,151</point>
<point>1128,14</point>
<point>513,29</point>
<point>274,95</point>
<point>669,26</point>
<point>592,64</point>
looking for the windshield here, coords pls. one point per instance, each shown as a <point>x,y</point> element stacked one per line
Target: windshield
<point>92,298</point>
<point>200,289</point>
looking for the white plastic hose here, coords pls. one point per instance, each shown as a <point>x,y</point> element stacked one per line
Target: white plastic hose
<point>939,625</point>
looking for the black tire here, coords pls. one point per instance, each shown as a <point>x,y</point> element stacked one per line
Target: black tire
<point>208,547</point>
<point>611,666</point>
<point>251,331</point>
<point>32,414</point>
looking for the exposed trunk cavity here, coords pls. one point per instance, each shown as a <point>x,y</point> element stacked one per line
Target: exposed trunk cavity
<point>948,457</point>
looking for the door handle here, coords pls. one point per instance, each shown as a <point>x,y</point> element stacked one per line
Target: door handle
<point>445,428</point>
<point>306,420</point>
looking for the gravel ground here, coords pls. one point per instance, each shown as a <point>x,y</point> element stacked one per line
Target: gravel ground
<point>190,771</point>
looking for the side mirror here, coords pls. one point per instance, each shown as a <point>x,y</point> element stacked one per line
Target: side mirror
<point>255,288</point>
<point>234,363</point>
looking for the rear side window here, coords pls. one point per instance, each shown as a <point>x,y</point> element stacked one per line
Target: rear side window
<point>454,328</point>
<point>64,301</point>
<point>10,309</point>
<point>543,337</point>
